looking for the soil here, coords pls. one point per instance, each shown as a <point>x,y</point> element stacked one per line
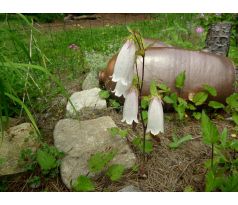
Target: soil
<point>104,19</point>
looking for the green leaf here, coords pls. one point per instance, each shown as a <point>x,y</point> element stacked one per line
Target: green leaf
<point>199,98</point>
<point>104,94</point>
<point>232,101</point>
<point>230,184</point>
<point>115,172</point>
<point>145,115</point>
<point>180,79</point>
<point>168,100</point>
<point>182,101</point>
<point>234,145</point>
<point>197,115</point>
<point>191,107</point>
<point>210,181</point>
<point>138,142</point>
<point>215,104</point>
<point>99,161</point>
<point>209,130</point>
<point>178,141</point>
<point>164,87</point>
<point>45,160</point>
<point>153,88</point>
<point>235,117</point>
<point>114,104</point>
<point>113,131</point>
<point>210,89</point>
<point>188,189</point>
<point>123,133</point>
<point>180,110</point>
<point>174,97</point>
<point>145,102</point>
<point>223,137</point>
<point>83,183</point>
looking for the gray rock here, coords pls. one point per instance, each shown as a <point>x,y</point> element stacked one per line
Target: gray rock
<point>130,188</point>
<point>88,99</point>
<point>91,81</point>
<point>80,139</point>
<point>16,139</point>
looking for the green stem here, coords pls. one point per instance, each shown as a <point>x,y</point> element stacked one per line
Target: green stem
<point>212,156</point>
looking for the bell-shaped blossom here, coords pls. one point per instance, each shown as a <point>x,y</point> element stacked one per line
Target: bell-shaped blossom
<point>121,89</point>
<point>130,109</point>
<point>155,123</point>
<point>124,65</point>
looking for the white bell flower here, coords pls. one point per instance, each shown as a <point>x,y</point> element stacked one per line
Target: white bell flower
<point>121,89</point>
<point>155,123</point>
<point>130,109</point>
<point>124,65</point>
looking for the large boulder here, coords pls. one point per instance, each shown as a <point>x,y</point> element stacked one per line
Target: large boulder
<point>16,139</point>
<point>80,139</point>
<point>91,81</point>
<point>86,99</point>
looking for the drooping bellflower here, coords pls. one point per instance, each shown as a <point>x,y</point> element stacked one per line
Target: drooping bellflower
<point>124,66</point>
<point>155,123</point>
<point>121,89</point>
<point>130,109</point>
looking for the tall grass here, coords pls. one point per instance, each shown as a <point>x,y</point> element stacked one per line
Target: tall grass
<point>24,75</point>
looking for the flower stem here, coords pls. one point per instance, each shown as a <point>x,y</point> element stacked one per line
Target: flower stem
<point>212,155</point>
<point>140,108</point>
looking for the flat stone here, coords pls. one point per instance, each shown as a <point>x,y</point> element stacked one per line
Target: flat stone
<point>16,139</point>
<point>130,188</point>
<point>88,99</point>
<point>80,139</point>
<point>91,81</point>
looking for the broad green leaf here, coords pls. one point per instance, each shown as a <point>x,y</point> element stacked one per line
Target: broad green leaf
<point>45,160</point>
<point>164,87</point>
<point>115,172</point>
<point>178,141</point>
<point>114,104</point>
<point>199,98</point>
<point>215,104</point>
<point>235,117</point>
<point>209,130</point>
<point>83,183</point>
<point>210,89</point>
<point>99,161</point>
<point>168,100</point>
<point>153,88</point>
<point>197,115</point>
<point>145,102</point>
<point>180,79</point>
<point>104,94</point>
<point>232,101</point>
